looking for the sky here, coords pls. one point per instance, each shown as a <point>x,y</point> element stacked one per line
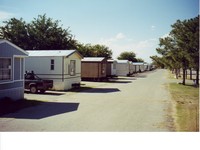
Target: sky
<point>121,25</point>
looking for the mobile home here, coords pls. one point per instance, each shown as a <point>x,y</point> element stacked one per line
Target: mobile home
<point>11,70</point>
<point>122,68</point>
<point>111,68</point>
<point>138,66</point>
<point>61,66</point>
<point>93,68</point>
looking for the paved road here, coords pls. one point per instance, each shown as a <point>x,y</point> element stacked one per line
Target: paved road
<point>139,103</point>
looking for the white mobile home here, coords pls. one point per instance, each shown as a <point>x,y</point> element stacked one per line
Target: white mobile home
<point>122,68</point>
<point>111,68</point>
<point>138,66</point>
<point>61,66</point>
<point>11,70</point>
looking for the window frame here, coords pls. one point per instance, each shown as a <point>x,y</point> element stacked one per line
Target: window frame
<point>52,64</point>
<point>10,68</point>
<point>72,68</point>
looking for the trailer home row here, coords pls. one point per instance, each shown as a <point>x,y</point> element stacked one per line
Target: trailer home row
<point>64,67</point>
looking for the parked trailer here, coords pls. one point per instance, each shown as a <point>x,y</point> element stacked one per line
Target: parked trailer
<point>123,68</point>
<point>61,66</point>
<point>93,68</point>
<point>111,68</point>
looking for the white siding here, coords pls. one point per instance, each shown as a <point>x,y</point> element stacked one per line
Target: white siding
<point>122,69</point>
<point>61,77</point>
<point>41,65</point>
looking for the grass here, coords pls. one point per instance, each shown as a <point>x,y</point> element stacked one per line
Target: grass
<point>186,100</point>
<point>9,106</point>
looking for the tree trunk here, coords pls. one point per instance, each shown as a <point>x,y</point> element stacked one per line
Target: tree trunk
<point>197,76</point>
<point>183,77</point>
<point>190,73</point>
<point>176,73</point>
<point>179,72</point>
<point>186,73</point>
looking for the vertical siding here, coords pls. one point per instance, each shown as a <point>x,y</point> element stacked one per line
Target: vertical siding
<point>122,69</point>
<point>89,70</point>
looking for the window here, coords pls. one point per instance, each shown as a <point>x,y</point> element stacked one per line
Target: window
<point>72,68</point>
<point>5,68</point>
<point>52,64</point>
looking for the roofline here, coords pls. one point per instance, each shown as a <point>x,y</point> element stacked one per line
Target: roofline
<point>104,58</point>
<point>15,46</point>
<point>76,51</point>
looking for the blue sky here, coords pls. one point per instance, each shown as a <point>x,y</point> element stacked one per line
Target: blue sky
<point>122,25</point>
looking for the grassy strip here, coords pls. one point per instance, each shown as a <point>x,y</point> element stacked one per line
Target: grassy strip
<point>186,99</point>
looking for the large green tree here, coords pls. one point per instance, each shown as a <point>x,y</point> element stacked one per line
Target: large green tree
<point>41,33</point>
<point>88,50</point>
<point>187,38</point>
<point>131,56</point>
<point>15,30</point>
<point>181,48</point>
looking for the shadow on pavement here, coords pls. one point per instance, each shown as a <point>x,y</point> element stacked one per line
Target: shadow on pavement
<point>32,109</point>
<point>52,93</point>
<point>101,90</point>
<point>125,78</point>
<point>117,81</point>
<point>141,76</point>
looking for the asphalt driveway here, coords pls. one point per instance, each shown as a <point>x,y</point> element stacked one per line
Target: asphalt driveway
<point>140,103</point>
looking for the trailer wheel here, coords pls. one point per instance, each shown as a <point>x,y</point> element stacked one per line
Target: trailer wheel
<point>33,89</point>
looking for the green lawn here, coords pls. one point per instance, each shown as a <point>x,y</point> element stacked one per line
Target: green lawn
<point>186,100</point>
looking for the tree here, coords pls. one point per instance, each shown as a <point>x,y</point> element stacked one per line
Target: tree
<point>131,56</point>
<point>41,33</point>
<point>15,30</point>
<point>157,61</point>
<point>140,60</point>
<point>181,48</point>
<point>187,33</point>
<point>97,50</point>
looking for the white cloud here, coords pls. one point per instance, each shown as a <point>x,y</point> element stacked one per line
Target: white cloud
<point>117,38</point>
<point>143,49</point>
<point>153,27</point>
<point>5,15</point>
<point>120,36</point>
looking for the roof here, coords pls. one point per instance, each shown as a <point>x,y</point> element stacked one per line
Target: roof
<point>93,59</point>
<point>122,61</point>
<point>138,63</point>
<point>111,60</point>
<point>13,45</point>
<point>41,53</point>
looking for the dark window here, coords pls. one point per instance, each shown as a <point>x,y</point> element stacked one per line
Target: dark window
<point>52,64</point>
<point>5,68</point>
